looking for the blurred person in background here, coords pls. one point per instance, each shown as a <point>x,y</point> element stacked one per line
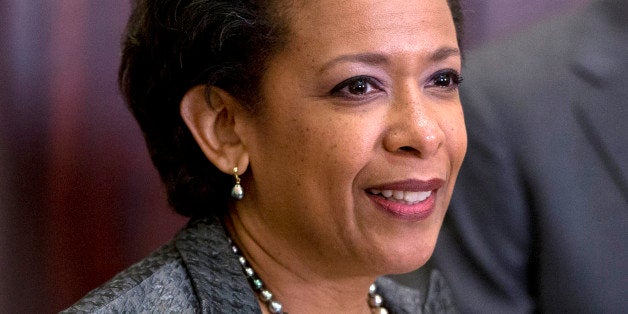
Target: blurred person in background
<point>539,220</point>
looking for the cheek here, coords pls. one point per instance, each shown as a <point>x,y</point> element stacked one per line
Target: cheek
<point>456,134</point>
<point>458,148</point>
<point>337,144</point>
<point>330,148</point>
<point>310,162</point>
<point>298,142</point>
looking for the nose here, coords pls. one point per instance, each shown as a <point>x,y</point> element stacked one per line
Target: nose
<point>414,127</point>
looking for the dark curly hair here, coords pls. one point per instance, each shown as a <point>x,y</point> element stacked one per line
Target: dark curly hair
<point>171,46</point>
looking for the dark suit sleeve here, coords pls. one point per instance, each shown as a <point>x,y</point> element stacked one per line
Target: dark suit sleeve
<point>483,247</point>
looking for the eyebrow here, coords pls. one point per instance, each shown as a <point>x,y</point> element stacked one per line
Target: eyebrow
<point>367,58</point>
<point>444,53</point>
<point>379,59</point>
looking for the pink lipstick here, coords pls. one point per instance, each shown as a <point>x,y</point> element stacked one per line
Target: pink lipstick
<point>412,200</point>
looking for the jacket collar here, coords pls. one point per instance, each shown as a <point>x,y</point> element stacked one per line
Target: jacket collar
<point>216,275</point>
<point>221,287</point>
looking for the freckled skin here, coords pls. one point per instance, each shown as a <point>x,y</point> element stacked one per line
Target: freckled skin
<point>313,155</point>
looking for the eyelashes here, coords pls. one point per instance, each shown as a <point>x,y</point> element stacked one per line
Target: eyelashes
<point>363,86</point>
<point>357,86</point>
<point>448,78</point>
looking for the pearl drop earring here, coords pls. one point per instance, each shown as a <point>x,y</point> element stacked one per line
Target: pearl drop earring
<point>237,192</point>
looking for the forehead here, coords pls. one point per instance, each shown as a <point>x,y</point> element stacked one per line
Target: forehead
<point>370,24</point>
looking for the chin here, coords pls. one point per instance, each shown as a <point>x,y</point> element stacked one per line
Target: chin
<point>406,259</point>
<point>412,265</point>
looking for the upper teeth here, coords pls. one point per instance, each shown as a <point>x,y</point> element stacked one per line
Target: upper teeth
<point>408,196</point>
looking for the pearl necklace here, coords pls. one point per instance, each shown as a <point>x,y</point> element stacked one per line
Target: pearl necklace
<point>375,300</point>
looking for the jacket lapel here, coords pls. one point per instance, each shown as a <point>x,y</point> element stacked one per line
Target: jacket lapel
<point>217,277</point>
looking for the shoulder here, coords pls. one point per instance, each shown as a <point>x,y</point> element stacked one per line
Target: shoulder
<point>402,299</point>
<point>545,43</point>
<point>196,270</point>
<point>159,281</point>
<point>525,66</point>
<point>509,82</point>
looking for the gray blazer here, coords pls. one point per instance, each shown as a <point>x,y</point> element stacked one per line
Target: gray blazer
<point>539,216</point>
<point>198,273</point>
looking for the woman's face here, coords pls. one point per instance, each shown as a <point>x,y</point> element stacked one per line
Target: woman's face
<point>354,154</point>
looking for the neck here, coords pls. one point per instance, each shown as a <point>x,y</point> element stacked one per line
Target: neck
<point>296,284</point>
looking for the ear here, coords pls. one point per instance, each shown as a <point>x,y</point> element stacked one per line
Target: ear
<point>209,114</point>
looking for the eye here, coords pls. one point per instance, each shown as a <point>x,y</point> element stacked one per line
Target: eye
<point>447,79</point>
<point>356,86</point>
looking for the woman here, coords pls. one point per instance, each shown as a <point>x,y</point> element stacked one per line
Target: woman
<point>315,144</point>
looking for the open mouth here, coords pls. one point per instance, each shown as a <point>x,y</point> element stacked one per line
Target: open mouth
<point>405,197</point>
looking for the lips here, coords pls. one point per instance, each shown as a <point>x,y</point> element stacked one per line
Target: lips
<point>409,200</point>
<point>408,197</point>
